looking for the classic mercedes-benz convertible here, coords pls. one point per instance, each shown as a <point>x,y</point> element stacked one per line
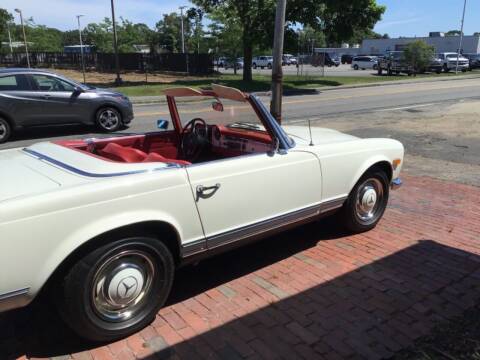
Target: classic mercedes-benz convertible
<point>103,223</point>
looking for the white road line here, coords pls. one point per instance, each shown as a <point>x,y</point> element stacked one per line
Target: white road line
<point>405,107</point>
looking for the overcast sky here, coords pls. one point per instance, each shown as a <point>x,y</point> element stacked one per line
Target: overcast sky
<point>403,17</point>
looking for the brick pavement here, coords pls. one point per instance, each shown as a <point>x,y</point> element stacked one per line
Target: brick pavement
<point>310,293</point>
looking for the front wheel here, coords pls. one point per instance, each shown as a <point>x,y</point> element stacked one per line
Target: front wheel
<point>367,202</point>
<point>355,67</point>
<point>109,119</point>
<point>117,289</point>
<point>5,130</point>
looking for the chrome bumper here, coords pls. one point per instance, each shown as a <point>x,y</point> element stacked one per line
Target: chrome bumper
<point>396,183</point>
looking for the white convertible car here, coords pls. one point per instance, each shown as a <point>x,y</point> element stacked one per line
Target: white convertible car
<point>104,223</point>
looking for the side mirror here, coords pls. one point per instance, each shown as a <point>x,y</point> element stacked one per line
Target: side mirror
<point>217,106</point>
<point>78,90</point>
<point>162,124</point>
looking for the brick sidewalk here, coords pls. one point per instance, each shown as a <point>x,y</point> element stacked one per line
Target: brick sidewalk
<point>310,293</point>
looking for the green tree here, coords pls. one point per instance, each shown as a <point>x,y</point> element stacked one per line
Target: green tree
<point>5,19</point>
<point>338,19</point>
<point>453,33</point>
<point>168,32</point>
<point>418,55</point>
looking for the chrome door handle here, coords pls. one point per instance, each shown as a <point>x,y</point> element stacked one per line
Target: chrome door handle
<point>206,192</point>
<point>201,189</point>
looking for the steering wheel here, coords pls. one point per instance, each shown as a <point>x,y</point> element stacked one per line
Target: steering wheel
<point>193,139</point>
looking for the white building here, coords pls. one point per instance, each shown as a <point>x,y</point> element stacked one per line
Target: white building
<point>471,44</point>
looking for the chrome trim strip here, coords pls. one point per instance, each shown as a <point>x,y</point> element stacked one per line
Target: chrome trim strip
<point>75,170</point>
<point>333,204</point>
<point>261,227</point>
<point>194,247</point>
<point>14,293</point>
<point>396,184</point>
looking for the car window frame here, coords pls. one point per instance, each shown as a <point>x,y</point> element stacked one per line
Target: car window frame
<point>17,76</point>
<point>33,83</point>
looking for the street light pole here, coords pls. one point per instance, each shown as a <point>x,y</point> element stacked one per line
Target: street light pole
<point>461,36</point>
<point>24,36</point>
<point>183,35</point>
<point>277,71</point>
<point>9,38</point>
<point>81,47</point>
<point>118,80</point>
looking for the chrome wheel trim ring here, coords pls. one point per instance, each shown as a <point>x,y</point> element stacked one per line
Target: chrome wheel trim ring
<point>109,119</point>
<point>369,200</point>
<point>121,285</point>
<point>3,131</point>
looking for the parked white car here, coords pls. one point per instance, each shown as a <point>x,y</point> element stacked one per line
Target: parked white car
<point>105,222</point>
<point>365,62</point>
<point>262,62</point>
<point>449,61</point>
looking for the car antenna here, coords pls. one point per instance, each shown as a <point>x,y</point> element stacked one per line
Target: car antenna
<point>310,130</point>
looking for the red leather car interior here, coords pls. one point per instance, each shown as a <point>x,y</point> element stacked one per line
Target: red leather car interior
<point>121,153</point>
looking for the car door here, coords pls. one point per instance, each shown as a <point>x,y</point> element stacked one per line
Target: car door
<point>246,195</point>
<point>15,98</point>
<point>55,99</point>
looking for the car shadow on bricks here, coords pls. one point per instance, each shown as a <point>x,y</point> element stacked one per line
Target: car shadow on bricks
<point>371,312</point>
<point>259,303</point>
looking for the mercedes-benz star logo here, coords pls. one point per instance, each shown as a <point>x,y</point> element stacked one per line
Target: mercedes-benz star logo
<point>371,200</point>
<point>127,287</point>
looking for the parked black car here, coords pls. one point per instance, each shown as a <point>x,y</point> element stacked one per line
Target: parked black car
<point>30,97</point>
<point>474,61</point>
<point>347,59</point>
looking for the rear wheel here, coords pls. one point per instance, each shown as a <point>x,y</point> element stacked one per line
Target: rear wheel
<point>367,202</point>
<point>355,67</point>
<point>109,119</point>
<point>5,130</point>
<point>117,289</point>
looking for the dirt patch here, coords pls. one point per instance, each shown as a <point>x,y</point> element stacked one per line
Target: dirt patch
<point>108,79</point>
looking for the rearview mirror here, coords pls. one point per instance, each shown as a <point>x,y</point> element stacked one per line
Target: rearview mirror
<point>162,124</point>
<point>217,106</point>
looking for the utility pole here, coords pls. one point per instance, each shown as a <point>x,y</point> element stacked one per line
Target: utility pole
<point>461,36</point>
<point>24,36</point>
<point>183,35</point>
<point>9,38</point>
<point>277,71</point>
<point>118,80</point>
<point>81,47</point>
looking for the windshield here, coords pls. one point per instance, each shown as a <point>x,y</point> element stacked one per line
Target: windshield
<point>453,56</point>
<point>235,115</point>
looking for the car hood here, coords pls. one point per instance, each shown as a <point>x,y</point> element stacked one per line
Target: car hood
<point>320,136</point>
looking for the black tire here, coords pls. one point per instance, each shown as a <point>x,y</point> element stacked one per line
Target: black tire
<point>5,130</point>
<point>350,214</point>
<point>269,66</point>
<point>254,65</point>
<point>355,67</point>
<point>445,68</point>
<point>108,119</point>
<point>91,307</point>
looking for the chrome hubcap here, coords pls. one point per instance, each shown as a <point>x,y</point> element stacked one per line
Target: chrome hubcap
<point>109,119</point>
<point>369,200</point>
<point>121,285</point>
<point>3,131</point>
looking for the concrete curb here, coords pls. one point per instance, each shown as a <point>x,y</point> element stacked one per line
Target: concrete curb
<point>152,100</point>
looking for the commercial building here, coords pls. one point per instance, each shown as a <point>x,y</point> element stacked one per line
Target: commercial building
<point>471,44</point>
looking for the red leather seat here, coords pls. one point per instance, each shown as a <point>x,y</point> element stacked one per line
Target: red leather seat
<point>121,153</point>
<point>154,157</point>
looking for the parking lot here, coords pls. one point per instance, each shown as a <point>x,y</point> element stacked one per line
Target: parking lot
<point>317,292</point>
<point>309,70</point>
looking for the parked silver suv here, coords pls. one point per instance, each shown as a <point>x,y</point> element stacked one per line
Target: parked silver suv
<point>30,97</point>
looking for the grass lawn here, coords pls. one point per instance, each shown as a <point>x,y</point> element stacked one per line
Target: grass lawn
<point>261,83</point>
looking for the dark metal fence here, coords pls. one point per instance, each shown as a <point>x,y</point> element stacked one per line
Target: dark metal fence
<point>195,64</point>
